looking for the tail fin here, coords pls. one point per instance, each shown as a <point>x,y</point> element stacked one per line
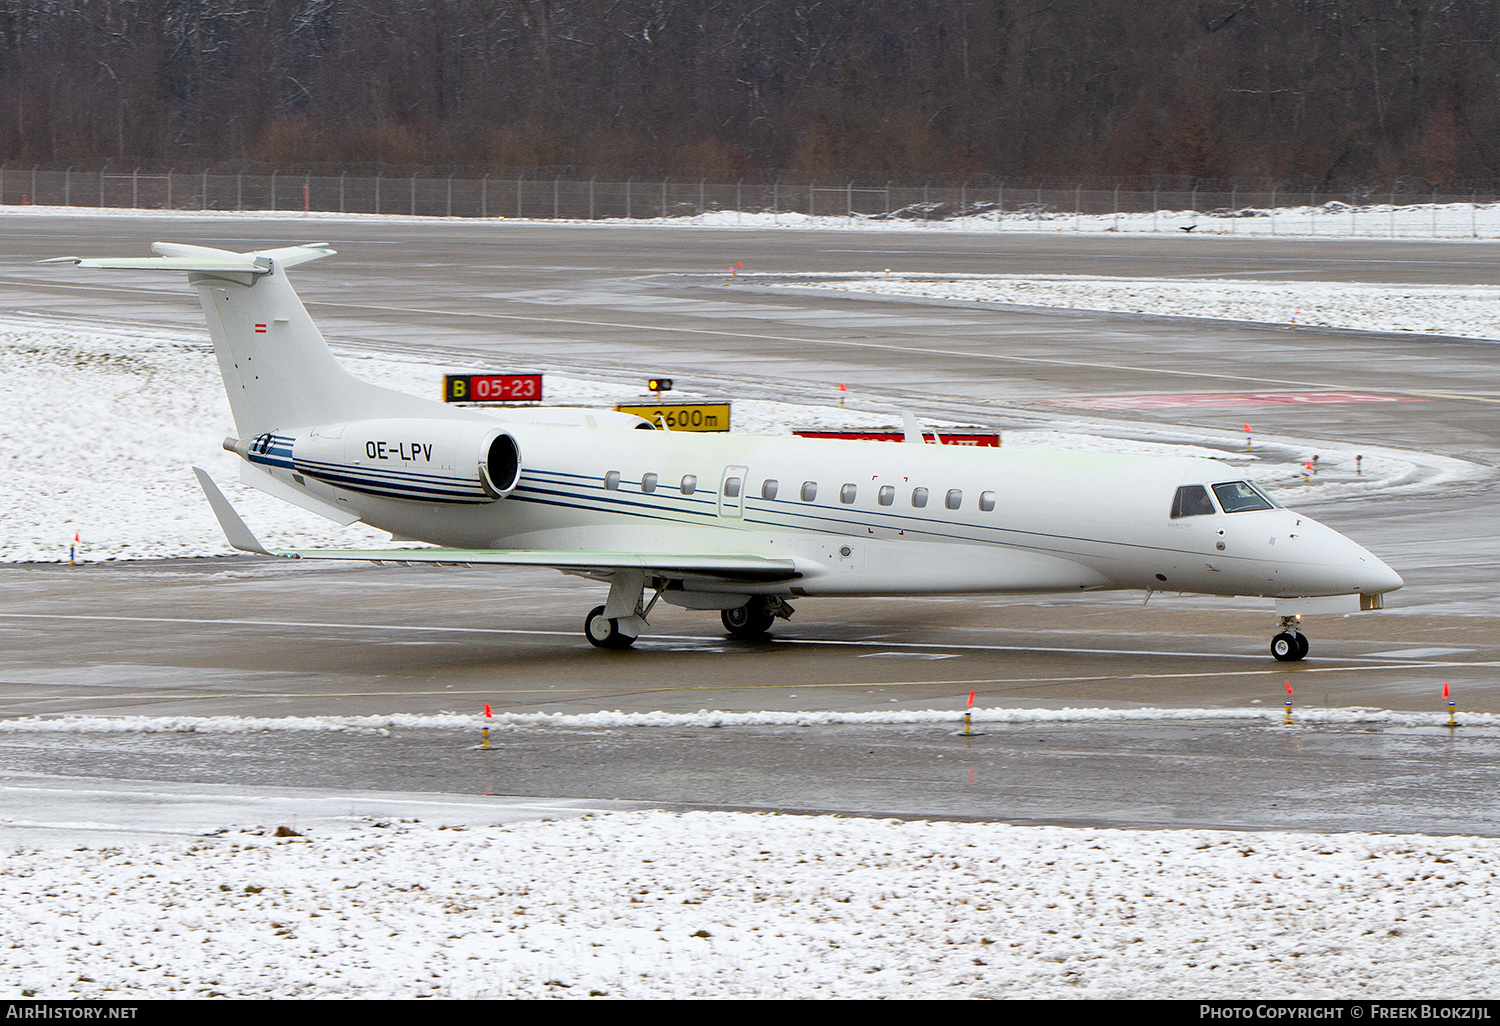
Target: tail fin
<point>278,371</point>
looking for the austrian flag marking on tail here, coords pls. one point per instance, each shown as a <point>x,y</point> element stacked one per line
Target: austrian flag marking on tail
<point>260,329</point>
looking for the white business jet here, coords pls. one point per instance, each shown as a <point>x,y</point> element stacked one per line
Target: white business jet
<point>734,523</point>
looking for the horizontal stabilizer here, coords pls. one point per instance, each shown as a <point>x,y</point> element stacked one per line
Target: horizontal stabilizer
<point>180,257</point>
<point>234,528</point>
<point>733,567</point>
<point>227,262</point>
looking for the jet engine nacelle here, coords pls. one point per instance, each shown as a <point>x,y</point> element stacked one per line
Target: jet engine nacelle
<point>426,460</point>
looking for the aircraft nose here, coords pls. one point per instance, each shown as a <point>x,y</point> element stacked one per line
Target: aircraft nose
<point>1358,567</point>
<point>1378,578</point>
<point>1371,573</point>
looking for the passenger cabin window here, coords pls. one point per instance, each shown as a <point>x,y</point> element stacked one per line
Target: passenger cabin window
<point>919,497</point>
<point>954,498</point>
<point>768,488</point>
<point>648,483</point>
<point>1240,497</point>
<point>987,501</point>
<point>612,480</point>
<point>847,494</point>
<point>731,487</point>
<point>1192,501</point>
<point>809,491</point>
<point>887,495</point>
<point>689,484</point>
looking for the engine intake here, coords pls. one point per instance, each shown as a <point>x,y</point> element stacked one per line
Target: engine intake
<point>500,470</point>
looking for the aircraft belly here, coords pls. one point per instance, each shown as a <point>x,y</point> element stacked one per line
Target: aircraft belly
<point>905,567</point>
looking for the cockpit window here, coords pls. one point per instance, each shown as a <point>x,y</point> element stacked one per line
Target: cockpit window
<point>1192,501</point>
<point>1240,496</point>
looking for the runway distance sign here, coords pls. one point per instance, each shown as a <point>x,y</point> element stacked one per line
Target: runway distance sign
<point>492,388</point>
<point>682,416</point>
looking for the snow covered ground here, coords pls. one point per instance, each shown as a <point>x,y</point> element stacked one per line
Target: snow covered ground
<point>615,720</point>
<point>1333,219</point>
<point>99,425</point>
<point>1416,221</point>
<point>97,428</point>
<point>658,904</point>
<point>1467,311</point>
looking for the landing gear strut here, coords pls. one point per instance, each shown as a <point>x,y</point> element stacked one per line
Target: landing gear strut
<point>753,620</point>
<point>1290,645</point>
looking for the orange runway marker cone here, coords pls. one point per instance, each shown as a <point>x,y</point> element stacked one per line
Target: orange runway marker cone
<point>969,730</point>
<point>1288,701</point>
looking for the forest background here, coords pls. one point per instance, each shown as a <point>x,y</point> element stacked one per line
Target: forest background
<point>1300,92</point>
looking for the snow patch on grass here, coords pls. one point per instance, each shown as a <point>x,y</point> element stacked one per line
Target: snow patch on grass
<point>713,904</point>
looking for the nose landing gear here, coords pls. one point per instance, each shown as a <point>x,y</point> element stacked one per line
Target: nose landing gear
<point>1290,645</point>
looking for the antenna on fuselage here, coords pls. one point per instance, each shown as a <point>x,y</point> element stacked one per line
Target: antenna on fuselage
<point>914,430</point>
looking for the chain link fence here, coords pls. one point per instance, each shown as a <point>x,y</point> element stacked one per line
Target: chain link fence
<point>1366,211</point>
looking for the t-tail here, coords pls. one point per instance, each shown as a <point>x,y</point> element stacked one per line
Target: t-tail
<point>278,371</point>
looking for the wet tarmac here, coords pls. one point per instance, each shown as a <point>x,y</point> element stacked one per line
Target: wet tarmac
<point>254,637</point>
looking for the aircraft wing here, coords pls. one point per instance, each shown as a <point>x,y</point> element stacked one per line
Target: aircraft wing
<point>717,566</point>
<point>729,567</point>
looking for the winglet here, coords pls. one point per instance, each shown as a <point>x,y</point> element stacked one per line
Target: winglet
<point>234,528</point>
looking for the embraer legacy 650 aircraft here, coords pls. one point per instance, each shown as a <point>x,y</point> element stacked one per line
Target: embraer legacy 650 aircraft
<point>735,523</point>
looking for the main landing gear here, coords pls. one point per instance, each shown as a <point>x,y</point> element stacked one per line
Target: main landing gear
<point>753,620</point>
<point>1290,645</point>
<point>604,632</point>
<point>622,618</point>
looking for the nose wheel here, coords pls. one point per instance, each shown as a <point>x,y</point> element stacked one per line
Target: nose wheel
<point>1290,645</point>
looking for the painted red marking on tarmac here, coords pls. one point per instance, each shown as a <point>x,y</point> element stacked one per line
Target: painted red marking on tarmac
<point>1162,402</point>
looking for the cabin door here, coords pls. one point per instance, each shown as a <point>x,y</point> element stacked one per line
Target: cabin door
<point>732,492</point>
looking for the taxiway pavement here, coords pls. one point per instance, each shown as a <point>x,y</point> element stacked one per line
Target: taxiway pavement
<point>254,637</point>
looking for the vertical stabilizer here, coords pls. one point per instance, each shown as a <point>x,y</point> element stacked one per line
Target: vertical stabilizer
<point>278,371</point>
